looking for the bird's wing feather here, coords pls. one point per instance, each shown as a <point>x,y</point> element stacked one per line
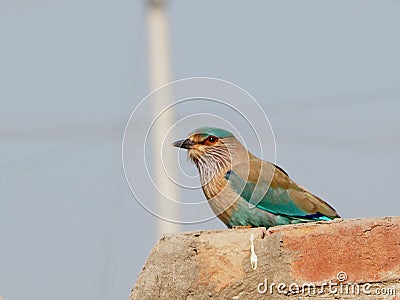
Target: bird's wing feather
<point>268,188</point>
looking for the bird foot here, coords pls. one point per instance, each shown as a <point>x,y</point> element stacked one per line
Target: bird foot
<point>274,229</point>
<point>242,227</point>
<point>264,231</point>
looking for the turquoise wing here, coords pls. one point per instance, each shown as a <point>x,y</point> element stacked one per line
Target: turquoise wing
<point>270,189</point>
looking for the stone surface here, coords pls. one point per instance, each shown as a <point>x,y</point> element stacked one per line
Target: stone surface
<point>341,259</point>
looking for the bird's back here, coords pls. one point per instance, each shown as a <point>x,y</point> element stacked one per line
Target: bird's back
<point>259,193</point>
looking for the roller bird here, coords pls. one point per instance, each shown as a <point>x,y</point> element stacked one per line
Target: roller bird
<point>243,190</point>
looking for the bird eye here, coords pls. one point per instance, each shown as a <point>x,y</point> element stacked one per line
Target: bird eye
<point>212,139</point>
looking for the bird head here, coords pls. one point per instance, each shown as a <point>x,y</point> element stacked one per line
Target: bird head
<point>211,149</point>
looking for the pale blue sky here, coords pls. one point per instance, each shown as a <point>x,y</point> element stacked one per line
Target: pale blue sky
<point>326,72</point>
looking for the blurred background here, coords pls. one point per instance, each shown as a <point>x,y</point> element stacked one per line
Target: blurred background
<point>327,73</point>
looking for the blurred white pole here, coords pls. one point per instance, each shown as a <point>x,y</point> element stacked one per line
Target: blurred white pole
<point>160,74</point>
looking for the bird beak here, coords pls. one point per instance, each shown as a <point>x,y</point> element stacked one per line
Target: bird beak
<point>185,144</point>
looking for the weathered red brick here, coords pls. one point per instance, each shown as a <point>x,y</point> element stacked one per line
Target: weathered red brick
<point>216,264</point>
<point>367,250</point>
